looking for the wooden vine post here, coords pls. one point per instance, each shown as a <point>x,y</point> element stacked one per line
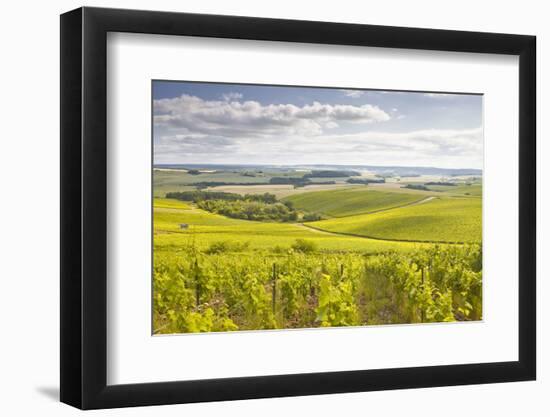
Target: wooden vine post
<point>197,283</point>
<point>422,307</point>
<point>274,287</point>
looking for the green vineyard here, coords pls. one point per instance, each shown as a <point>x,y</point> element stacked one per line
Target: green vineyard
<point>219,291</point>
<point>375,259</point>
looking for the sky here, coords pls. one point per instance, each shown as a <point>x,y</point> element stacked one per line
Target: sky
<point>214,123</point>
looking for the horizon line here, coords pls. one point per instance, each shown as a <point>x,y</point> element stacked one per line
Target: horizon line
<point>310,164</point>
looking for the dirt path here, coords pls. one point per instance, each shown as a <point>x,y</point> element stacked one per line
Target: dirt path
<point>425,200</point>
<point>414,203</point>
<point>315,230</point>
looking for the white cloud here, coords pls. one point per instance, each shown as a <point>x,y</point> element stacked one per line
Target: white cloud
<point>353,93</point>
<point>232,96</point>
<point>419,143</point>
<point>331,125</point>
<point>194,115</point>
<point>191,129</point>
<point>462,148</point>
<point>438,95</point>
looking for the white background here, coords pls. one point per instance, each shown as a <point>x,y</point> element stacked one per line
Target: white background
<point>133,60</point>
<point>29,173</point>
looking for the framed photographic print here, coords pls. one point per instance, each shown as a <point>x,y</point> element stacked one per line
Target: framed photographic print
<point>257,208</point>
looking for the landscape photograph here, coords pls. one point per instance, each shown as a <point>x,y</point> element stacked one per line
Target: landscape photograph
<point>286,207</point>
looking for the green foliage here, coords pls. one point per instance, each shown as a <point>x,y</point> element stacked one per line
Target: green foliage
<point>250,210</point>
<point>311,217</point>
<point>332,174</point>
<point>304,246</point>
<point>263,198</point>
<point>196,196</point>
<point>199,292</point>
<point>443,183</point>
<point>336,303</point>
<point>416,187</point>
<point>366,181</point>
<point>437,285</point>
<point>226,246</point>
<point>296,181</point>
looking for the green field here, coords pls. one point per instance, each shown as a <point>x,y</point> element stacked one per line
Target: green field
<point>167,203</point>
<point>473,190</point>
<point>347,202</point>
<point>437,220</point>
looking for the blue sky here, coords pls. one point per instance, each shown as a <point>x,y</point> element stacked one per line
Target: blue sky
<point>257,124</point>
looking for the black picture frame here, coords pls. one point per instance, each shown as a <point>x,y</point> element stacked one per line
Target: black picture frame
<point>84,207</point>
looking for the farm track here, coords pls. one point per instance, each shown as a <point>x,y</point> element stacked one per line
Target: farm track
<point>413,203</point>
<point>312,228</point>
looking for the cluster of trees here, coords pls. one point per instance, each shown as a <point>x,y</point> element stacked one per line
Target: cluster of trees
<point>366,181</point>
<point>297,181</point>
<point>258,207</point>
<point>311,217</point>
<point>196,196</point>
<point>251,210</point>
<point>205,184</point>
<point>450,184</point>
<point>332,174</point>
<point>416,187</point>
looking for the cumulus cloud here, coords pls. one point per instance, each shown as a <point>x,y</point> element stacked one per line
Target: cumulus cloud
<point>229,130</point>
<point>253,119</point>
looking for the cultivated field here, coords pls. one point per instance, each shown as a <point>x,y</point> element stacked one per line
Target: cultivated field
<point>235,250</point>
<point>347,202</point>
<point>445,219</point>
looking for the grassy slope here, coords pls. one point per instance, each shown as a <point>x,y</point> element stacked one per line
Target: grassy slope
<point>206,228</point>
<point>347,202</point>
<point>447,219</point>
<point>167,203</point>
